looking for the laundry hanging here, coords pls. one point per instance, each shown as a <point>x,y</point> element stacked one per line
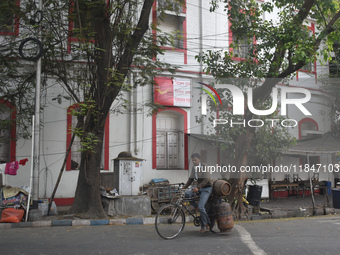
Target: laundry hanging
<point>11,168</point>
<point>23,161</point>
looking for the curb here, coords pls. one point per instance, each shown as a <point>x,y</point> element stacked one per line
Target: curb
<point>77,223</point>
<point>272,214</point>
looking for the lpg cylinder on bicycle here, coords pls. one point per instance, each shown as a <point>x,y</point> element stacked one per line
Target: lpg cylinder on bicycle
<point>170,219</point>
<point>222,209</point>
<point>224,216</point>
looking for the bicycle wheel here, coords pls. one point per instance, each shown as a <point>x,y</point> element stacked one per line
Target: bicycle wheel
<point>170,221</point>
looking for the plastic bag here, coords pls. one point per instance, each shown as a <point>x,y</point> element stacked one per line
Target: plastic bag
<point>11,215</point>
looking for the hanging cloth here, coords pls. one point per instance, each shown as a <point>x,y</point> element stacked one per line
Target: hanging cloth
<point>23,161</point>
<point>11,168</point>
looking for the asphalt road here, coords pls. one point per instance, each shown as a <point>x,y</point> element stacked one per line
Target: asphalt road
<point>318,235</point>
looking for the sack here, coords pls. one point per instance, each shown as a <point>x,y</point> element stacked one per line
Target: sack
<point>11,215</point>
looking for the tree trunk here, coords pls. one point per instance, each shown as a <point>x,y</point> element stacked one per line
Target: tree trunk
<point>109,79</point>
<point>87,201</point>
<point>238,179</point>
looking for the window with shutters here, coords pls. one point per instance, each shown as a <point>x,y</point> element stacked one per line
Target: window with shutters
<point>167,149</point>
<point>241,49</point>
<point>169,19</point>
<point>173,21</point>
<point>240,43</point>
<point>170,145</point>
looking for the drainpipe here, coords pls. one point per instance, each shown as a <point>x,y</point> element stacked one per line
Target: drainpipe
<point>36,141</point>
<point>131,113</point>
<point>200,15</point>
<point>135,99</point>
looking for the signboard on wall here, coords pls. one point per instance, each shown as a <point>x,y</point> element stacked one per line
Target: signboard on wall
<point>172,92</point>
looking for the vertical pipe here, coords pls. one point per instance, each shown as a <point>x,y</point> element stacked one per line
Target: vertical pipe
<point>135,99</point>
<point>31,176</point>
<point>36,150</point>
<point>200,16</point>
<point>130,114</point>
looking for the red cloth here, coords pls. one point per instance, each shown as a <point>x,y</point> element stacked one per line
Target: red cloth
<point>11,168</point>
<point>23,161</point>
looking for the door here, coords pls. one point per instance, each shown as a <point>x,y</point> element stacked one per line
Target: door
<point>130,177</point>
<point>126,175</point>
<point>136,177</point>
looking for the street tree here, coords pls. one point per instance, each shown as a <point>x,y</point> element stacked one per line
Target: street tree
<point>267,52</point>
<point>331,85</point>
<point>90,47</point>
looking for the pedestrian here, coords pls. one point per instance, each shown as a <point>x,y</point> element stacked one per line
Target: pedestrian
<point>202,185</point>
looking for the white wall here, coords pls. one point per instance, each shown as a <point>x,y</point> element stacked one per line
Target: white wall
<point>132,131</point>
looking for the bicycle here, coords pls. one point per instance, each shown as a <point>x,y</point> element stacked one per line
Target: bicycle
<point>170,219</point>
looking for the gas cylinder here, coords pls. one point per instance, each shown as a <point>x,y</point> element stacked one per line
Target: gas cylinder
<point>224,216</point>
<point>221,188</point>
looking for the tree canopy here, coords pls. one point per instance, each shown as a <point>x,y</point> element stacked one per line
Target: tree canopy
<point>269,42</point>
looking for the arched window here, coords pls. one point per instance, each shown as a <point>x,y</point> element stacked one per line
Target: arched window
<point>170,146</point>
<point>73,160</point>
<point>7,131</point>
<point>307,128</point>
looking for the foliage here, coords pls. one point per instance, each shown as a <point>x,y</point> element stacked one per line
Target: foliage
<point>275,48</point>
<point>282,45</point>
<point>270,41</point>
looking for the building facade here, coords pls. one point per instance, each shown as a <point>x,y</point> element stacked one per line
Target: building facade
<point>165,139</point>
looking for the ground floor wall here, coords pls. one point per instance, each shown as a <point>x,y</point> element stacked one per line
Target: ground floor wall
<point>131,129</point>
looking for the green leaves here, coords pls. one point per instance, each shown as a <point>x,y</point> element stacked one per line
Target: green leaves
<point>283,40</point>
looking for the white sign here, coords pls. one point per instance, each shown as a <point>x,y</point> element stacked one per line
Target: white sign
<point>182,92</point>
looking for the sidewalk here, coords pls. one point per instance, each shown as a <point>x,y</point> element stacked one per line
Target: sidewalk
<point>287,207</point>
<point>270,209</point>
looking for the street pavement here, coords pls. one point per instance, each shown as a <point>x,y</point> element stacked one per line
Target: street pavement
<point>270,209</point>
<point>314,235</point>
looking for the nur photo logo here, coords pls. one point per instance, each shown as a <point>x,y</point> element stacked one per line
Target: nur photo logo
<point>238,105</point>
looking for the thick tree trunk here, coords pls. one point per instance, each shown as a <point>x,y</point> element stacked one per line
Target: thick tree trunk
<point>87,202</point>
<point>109,78</point>
<point>238,178</point>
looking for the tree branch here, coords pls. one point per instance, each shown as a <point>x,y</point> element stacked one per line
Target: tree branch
<point>263,92</point>
<point>125,61</point>
<point>280,52</point>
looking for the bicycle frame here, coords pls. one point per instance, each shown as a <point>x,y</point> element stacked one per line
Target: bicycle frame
<point>181,202</point>
<point>170,219</point>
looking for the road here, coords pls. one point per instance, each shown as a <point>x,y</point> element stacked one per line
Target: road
<point>319,235</point>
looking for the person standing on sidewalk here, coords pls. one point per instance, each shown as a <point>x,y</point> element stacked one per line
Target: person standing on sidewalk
<point>202,185</point>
